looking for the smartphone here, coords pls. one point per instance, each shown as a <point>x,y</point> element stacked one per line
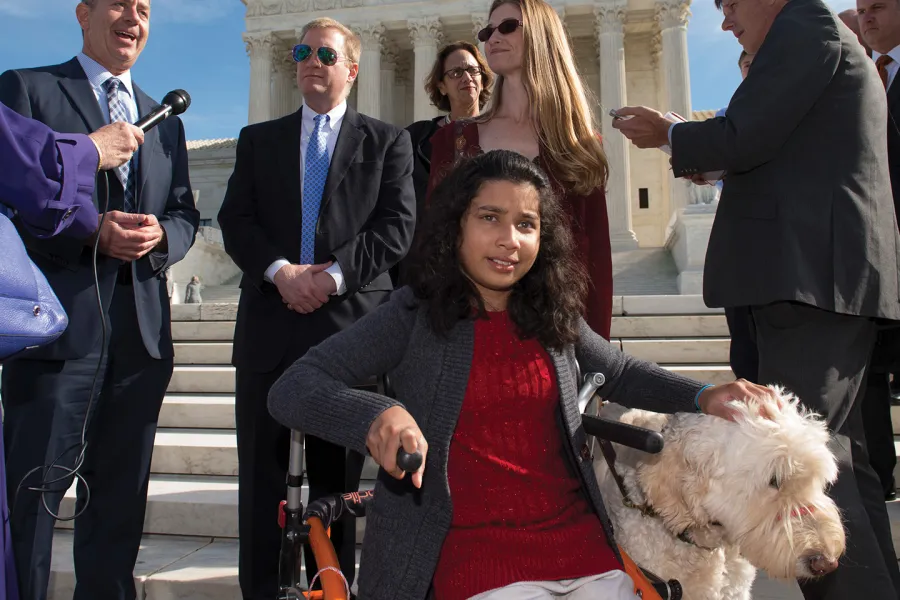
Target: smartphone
<point>616,116</point>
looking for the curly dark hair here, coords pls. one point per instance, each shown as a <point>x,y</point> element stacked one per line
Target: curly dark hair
<point>442,102</point>
<point>547,302</point>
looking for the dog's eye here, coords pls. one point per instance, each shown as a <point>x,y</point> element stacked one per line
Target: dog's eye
<point>774,483</point>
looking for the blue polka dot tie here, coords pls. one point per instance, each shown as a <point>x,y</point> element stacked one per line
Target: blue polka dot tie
<point>314,175</point>
<point>118,113</point>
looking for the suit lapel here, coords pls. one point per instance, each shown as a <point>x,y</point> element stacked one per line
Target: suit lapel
<point>78,89</point>
<point>288,153</point>
<point>348,142</point>
<point>151,140</point>
<point>893,93</point>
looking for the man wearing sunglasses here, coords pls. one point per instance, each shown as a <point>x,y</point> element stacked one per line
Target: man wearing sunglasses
<point>320,205</point>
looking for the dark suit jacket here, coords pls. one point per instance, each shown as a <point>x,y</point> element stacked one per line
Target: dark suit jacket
<point>366,224</point>
<point>893,136</point>
<point>61,97</point>
<point>806,212</point>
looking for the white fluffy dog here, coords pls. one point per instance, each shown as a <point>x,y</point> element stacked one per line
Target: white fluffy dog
<point>724,498</point>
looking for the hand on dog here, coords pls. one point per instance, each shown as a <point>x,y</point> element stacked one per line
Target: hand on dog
<point>714,400</point>
<point>392,428</point>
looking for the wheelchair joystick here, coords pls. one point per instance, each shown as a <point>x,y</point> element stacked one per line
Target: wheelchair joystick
<point>409,462</point>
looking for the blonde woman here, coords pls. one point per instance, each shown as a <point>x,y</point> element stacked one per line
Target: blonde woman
<point>540,110</point>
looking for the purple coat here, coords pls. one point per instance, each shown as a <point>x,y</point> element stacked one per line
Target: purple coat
<point>48,177</point>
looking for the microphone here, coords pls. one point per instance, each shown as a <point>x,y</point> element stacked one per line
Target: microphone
<point>175,103</point>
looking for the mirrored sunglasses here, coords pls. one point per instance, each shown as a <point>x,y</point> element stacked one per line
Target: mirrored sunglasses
<point>327,56</point>
<point>506,27</point>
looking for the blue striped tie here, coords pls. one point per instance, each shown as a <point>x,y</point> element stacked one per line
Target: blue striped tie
<point>314,175</point>
<point>118,113</point>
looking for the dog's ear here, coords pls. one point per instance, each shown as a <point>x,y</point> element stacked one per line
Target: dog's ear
<point>676,483</point>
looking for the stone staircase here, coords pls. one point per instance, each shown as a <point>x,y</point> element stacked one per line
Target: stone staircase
<point>189,551</point>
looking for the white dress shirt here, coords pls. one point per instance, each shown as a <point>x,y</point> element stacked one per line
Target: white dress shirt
<point>332,129</point>
<point>97,75</point>
<point>893,66</point>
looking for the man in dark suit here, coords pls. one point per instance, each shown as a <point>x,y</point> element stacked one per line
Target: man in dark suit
<point>879,25</point>
<point>320,206</point>
<point>805,234</point>
<point>150,223</point>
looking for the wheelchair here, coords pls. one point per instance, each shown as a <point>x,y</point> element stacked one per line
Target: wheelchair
<point>301,527</point>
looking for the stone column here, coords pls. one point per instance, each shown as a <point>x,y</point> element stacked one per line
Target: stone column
<point>259,49</point>
<point>368,83</point>
<point>610,30</point>
<point>672,16</point>
<point>426,36</point>
<point>389,57</point>
<point>284,82</point>
<point>401,83</point>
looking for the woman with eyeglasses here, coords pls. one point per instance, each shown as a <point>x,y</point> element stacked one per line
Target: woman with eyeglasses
<point>459,85</point>
<point>540,109</point>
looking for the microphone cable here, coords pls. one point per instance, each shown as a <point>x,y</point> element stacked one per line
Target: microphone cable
<point>69,474</point>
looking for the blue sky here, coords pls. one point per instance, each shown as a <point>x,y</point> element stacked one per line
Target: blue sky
<point>196,45</point>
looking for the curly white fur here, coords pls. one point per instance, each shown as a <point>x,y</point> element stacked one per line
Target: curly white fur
<point>749,494</point>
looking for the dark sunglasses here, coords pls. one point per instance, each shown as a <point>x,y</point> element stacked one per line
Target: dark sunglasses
<point>327,56</point>
<point>457,72</point>
<point>506,27</point>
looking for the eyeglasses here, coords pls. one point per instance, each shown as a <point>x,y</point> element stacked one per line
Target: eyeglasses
<point>327,56</point>
<point>457,72</point>
<point>506,27</point>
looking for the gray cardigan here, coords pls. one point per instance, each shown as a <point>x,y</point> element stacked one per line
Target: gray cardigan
<point>405,527</point>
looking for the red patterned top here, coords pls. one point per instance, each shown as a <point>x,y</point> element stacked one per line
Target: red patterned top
<point>587,215</point>
<point>519,509</point>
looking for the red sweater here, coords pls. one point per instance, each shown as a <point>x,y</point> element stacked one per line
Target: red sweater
<point>519,512</point>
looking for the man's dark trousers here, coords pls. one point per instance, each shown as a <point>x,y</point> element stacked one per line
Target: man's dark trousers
<point>822,357</point>
<point>45,403</point>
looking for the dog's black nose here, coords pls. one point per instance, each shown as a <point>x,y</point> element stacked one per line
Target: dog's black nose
<point>820,565</point>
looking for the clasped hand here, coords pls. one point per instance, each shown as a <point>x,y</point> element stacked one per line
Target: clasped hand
<point>305,288</point>
<point>128,236</point>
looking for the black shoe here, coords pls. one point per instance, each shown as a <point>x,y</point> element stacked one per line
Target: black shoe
<point>889,496</point>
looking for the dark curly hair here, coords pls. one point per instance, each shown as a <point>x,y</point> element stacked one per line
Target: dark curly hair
<point>547,302</point>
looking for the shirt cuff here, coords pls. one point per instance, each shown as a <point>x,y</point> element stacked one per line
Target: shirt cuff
<point>335,271</point>
<point>273,268</point>
<point>671,127</point>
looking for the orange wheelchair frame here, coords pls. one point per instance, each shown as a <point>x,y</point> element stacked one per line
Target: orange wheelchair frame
<point>298,531</point>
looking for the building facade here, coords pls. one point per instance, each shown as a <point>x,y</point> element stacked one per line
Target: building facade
<point>628,52</point>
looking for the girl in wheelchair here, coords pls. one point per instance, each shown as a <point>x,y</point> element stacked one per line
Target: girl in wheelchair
<point>482,351</point>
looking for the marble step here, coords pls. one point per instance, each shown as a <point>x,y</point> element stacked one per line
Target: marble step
<point>205,568</point>
<point>219,379</point>
<point>206,452</point>
<point>668,326</point>
<point>206,506</point>
<point>696,351</point>
<point>672,326</point>
<point>195,452</point>
<point>691,304</point>
<point>203,331</point>
<point>714,374</point>
<point>203,353</point>
<point>202,379</point>
<point>622,305</point>
<point>198,411</point>
<point>168,568</point>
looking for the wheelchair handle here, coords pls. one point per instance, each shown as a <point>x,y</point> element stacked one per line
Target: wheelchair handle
<point>632,436</point>
<point>409,462</point>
